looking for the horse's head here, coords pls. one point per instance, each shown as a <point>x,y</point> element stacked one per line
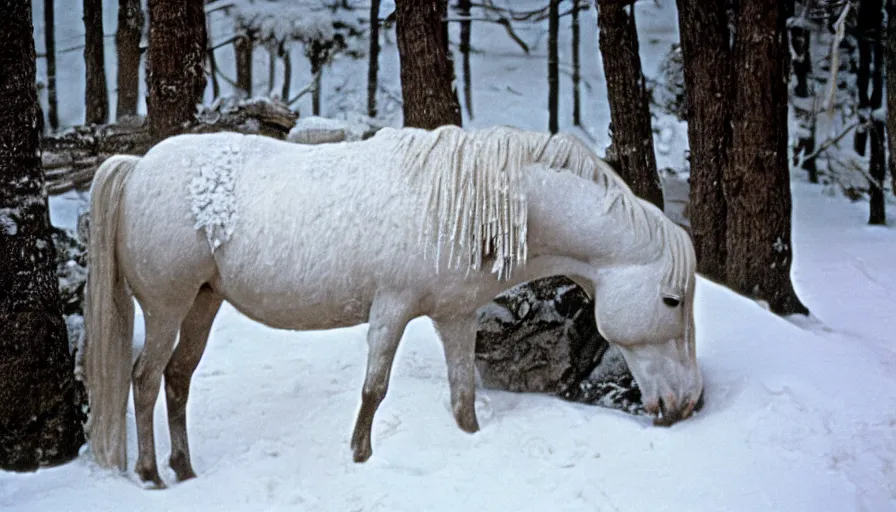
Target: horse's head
<point>651,321</point>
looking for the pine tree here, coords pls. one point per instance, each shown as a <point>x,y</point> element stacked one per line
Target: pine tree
<point>427,71</point>
<point>628,98</point>
<point>757,181</point>
<point>175,64</point>
<point>127,44</point>
<point>706,53</point>
<point>40,403</point>
<point>96,95</point>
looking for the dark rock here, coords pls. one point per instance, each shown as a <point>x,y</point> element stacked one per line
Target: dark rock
<point>610,384</point>
<point>71,268</point>
<point>541,337</point>
<point>668,88</point>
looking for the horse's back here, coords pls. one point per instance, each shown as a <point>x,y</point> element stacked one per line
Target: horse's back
<point>324,229</point>
<point>295,236</point>
<point>284,231</point>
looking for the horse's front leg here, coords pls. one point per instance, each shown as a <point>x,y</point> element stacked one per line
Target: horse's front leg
<point>458,336</point>
<point>389,314</point>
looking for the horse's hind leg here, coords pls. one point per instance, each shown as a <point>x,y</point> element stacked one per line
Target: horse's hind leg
<point>194,333</point>
<point>161,332</point>
<point>458,336</point>
<point>388,316</point>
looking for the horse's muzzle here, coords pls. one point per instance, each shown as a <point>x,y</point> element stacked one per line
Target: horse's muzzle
<point>669,414</point>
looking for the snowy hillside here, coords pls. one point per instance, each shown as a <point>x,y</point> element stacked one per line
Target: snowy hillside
<point>800,415</point>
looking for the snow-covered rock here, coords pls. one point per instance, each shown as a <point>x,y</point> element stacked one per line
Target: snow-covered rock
<point>541,337</point>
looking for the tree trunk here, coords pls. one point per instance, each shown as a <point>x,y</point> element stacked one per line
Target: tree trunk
<point>50,43</point>
<point>373,64</point>
<point>553,66</point>
<point>877,213</point>
<point>427,72</point>
<point>316,56</point>
<point>890,58</point>
<point>866,18</point>
<point>40,402</point>
<point>96,96</point>
<point>287,72</point>
<point>272,70</point>
<point>576,67</point>
<point>871,56</point>
<point>127,43</point>
<point>243,48</point>
<point>466,32</point>
<point>627,95</point>
<point>176,74</point>
<point>213,64</point>
<point>863,75</point>
<point>706,53</point>
<point>757,181</point>
<point>804,97</point>
<point>878,163</point>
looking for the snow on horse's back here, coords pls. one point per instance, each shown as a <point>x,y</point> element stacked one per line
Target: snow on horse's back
<point>407,223</point>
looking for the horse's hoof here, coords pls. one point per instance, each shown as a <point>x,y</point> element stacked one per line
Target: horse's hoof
<point>151,481</point>
<point>182,468</point>
<point>468,423</point>
<point>361,455</point>
<point>361,450</point>
<point>470,428</point>
<point>184,474</point>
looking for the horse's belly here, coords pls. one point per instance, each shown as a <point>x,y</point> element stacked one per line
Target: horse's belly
<point>299,309</point>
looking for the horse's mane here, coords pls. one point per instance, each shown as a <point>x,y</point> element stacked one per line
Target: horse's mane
<point>477,202</point>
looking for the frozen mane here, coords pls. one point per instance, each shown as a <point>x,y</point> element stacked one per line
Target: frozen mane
<point>478,205</point>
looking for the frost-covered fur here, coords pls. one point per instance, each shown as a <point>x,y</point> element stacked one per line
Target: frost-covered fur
<point>211,192</point>
<point>381,231</point>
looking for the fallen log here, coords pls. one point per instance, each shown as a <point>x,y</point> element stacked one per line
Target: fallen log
<point>71,158</point>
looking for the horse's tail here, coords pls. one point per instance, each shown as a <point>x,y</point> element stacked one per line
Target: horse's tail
<point>109,318</point>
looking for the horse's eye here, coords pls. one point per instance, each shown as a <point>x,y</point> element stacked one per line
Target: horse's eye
<point>672,302</point>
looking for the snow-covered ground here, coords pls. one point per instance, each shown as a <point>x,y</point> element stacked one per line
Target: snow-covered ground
<point>800,415</point>
<point>797,417</point>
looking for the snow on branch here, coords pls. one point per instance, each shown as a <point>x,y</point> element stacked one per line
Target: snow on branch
<point>275,23</point>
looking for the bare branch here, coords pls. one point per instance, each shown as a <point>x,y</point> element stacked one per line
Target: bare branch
<point>307,89</point>
<point>839,34</point>
<point>832,141</point>
<point>225,42</point>
<point>500,21</point>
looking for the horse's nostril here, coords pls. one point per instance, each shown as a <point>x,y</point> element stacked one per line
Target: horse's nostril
<point>699,404</point>
<point>663,416</point>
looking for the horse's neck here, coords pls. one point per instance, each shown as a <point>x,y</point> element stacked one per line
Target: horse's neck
<point>569,217</point>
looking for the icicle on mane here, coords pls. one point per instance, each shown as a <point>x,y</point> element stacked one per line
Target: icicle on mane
<point>476,205</point>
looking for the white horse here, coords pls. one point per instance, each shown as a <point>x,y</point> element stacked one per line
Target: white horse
<point>405,224</point>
